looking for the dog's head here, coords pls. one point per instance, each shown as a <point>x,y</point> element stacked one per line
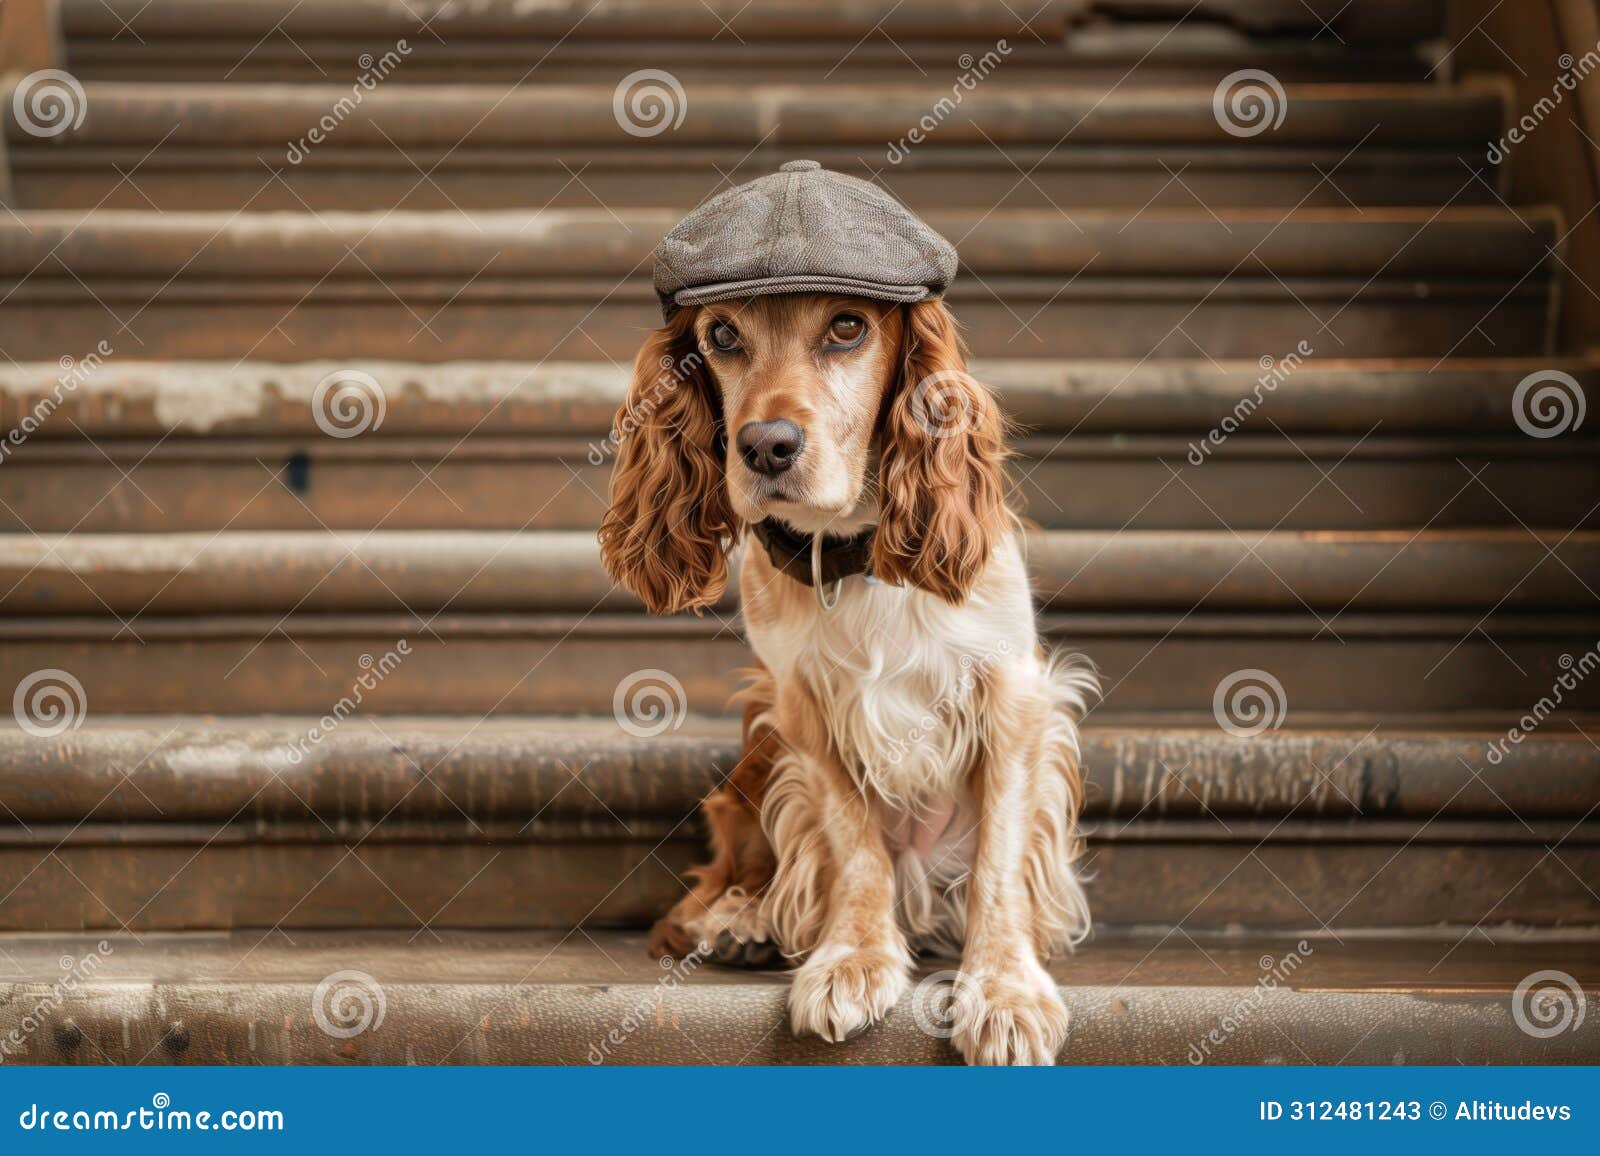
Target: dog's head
<point>826,412</point>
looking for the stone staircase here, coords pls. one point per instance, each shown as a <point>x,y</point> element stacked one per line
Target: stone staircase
<point>309,452</point>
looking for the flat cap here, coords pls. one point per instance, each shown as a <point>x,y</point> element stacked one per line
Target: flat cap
<point>802,229</point>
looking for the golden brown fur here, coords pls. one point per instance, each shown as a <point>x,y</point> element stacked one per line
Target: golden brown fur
<point>662,536</point>
<point>911,776</point>
<point>941,493</point>
<point>741,858</point>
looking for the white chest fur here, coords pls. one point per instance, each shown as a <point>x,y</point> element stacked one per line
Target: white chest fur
<point>897,673</point>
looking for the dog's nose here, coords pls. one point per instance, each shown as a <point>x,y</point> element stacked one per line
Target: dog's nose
<point>770,447</point>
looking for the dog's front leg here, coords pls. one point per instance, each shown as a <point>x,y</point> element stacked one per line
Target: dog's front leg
<point>860,966</point>
<point>1007,1009</point>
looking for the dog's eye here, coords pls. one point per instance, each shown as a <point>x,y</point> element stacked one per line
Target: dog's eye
<point>724,337</point>
<point>847,329</point>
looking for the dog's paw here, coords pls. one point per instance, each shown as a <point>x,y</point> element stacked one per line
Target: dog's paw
<point>1011,1018</point>
<point>734,933</point>
<point>669,939</point>
<point>731,951</point>
<point>840,993</point>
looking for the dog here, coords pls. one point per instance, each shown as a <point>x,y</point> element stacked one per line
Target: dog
<point>910,780</point>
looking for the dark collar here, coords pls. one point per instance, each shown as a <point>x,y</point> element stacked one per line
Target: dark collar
<point>791,552</point>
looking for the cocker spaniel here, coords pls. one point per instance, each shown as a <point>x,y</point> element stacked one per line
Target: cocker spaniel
<point>911,778</point>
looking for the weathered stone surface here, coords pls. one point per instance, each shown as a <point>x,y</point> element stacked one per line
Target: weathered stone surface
<point>475,998</point>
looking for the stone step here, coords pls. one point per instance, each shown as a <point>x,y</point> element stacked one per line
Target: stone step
<point>1254,483</point>
<point>115,444</point>
<point>1029,146</point>
<point>595,998</point>
<point>111,399</point>
<point>316,572</point>
<point>151,769</point>
<point>478,663</point>
<point>505,41</point>
<point>573,283</point>
<point>383,821</point>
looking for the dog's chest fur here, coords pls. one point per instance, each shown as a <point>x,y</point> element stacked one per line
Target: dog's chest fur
<point>898,675</point>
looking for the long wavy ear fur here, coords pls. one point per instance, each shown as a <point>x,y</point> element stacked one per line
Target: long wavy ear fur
<point>663,535</point>
<point>942,471</point>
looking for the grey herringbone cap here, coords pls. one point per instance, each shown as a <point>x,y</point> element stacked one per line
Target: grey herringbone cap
<point>802,229</point>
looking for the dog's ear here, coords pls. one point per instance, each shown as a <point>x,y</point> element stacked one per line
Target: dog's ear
<point>663,535</point>
<point>942,474</point>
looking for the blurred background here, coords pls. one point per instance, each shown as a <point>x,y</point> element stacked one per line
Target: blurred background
<point>331,741</point>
